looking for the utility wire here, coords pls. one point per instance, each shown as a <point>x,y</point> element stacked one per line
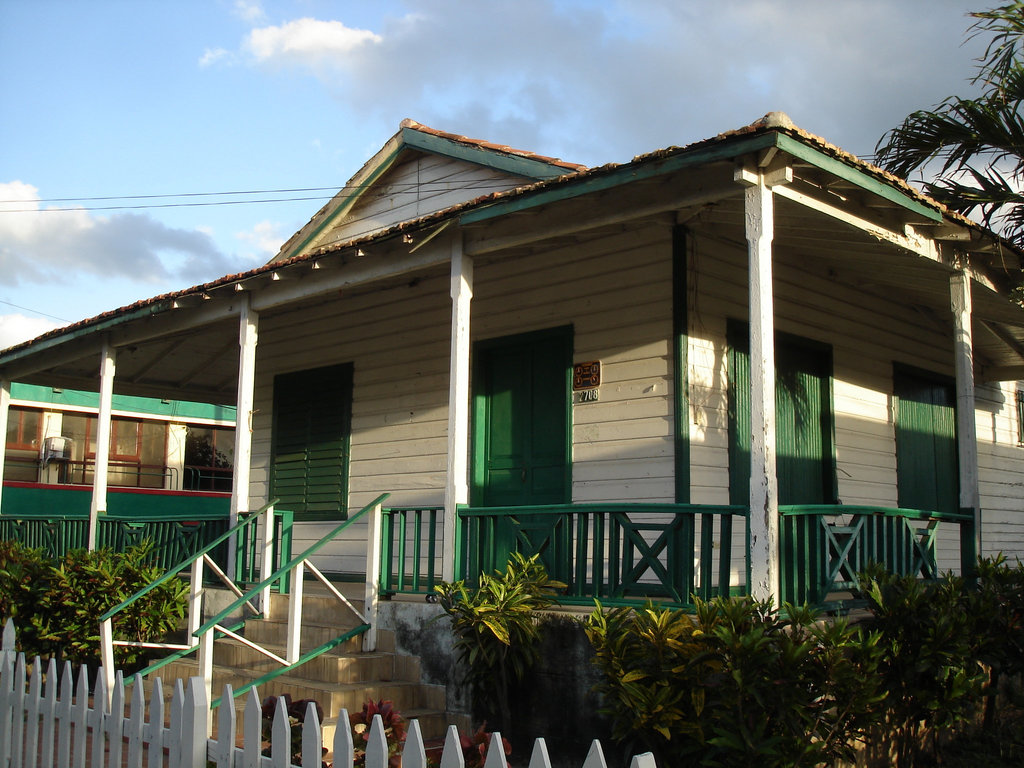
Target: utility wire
<point>159,205</point>
<point>34,311</point>
<point>422,186</point>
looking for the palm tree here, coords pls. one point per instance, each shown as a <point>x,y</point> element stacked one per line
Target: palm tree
<point>979,142</point>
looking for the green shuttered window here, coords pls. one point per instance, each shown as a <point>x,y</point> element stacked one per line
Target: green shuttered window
<point>927,465</point>
<point>804,442</point>
<point>312,426</point>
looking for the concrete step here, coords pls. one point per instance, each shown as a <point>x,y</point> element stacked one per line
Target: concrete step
<point>319,606</point>
<point>274,632</point>
<point>342,678</point>
<point>332,696</point>
<point>344,666</point>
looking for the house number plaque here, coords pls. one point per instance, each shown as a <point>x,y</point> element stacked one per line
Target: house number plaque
<point>586,378</point>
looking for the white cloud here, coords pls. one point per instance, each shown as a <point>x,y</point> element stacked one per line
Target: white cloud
<point>43,245</point>
<point>308,41</point>
<point>595,83</point>
<point>250,11</point>
<point>265,239</point>
<point>212,55</point>
<point>16,328</point>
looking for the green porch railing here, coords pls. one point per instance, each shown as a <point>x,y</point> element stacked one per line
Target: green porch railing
<point>411,549</point>
<point>613,552</point>
<point>824,547</point>
<point>176,536</point>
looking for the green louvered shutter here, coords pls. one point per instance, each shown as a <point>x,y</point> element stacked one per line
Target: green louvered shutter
<point>312,426</point>
<point>927,465</point>
<point>803,420</point>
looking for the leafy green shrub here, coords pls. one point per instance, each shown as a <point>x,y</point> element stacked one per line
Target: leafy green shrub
<point>496,627</point>
<point>22,583</point>
<point>736,683</point>
<point>56,604</point>
<point>998,617</point>
<point>929,663</point>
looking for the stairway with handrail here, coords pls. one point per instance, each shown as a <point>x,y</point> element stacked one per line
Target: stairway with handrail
<point>316,644</point>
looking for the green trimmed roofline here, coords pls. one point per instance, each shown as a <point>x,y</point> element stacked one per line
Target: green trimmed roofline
<point>728,149</point>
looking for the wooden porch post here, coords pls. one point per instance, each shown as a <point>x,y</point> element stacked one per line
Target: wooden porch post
<point>457,480</point>
<point>5,414</point>
<point>248,326</point>
<point>108,358</point>
<point>966,427</point>
<point>759,217</point>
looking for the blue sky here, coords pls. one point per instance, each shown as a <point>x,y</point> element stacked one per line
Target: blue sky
<point>118,98</point>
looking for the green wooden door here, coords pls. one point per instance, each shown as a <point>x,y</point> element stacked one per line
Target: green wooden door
<point>521,419</point>
<point>805,464</point>
<point>312,426</point>
<point>927,467</point>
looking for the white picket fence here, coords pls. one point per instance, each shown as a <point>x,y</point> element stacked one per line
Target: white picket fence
<point>56,725</point>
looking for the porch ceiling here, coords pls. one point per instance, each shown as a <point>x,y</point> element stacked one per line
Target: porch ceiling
<point>199,364</point>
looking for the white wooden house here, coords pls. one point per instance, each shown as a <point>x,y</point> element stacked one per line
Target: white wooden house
<point>750,363</point>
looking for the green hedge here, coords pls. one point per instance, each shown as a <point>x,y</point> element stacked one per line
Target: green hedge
<point>56,603</point>
<point>742,684</point>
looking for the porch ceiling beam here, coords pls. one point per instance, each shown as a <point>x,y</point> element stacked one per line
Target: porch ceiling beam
<point>983,279</point>
<point>176,321</point>
<point>204,364</point>
<point>1004,336</point>
<point>909,240</point>
<point>1002,373</point>
<point>55,357</point>
<point>709,190</point>
<point>155,357</point>
<point>384,265</point>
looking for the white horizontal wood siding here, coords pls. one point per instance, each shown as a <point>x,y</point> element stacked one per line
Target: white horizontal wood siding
<point>397,342</point>
<point>616,292</point>
<point>1000,470</point>
<point>868,334</point>
<point>415,186</point>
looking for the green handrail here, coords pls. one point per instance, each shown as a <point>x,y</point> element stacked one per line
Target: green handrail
<point>186,563</point>
<point>793,510</point>
<point>605,507</point>
<point>313,549</point>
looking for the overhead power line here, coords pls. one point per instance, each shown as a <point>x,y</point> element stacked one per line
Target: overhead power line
<point>34,311</point>
<point>437,185</point>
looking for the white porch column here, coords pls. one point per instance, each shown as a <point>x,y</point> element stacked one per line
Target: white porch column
<point>966,427</point>
<point>5,412</point>
<point>759,217</point>
<point>108,358</point>
<point>457,479</point>
<point>248,326</point>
